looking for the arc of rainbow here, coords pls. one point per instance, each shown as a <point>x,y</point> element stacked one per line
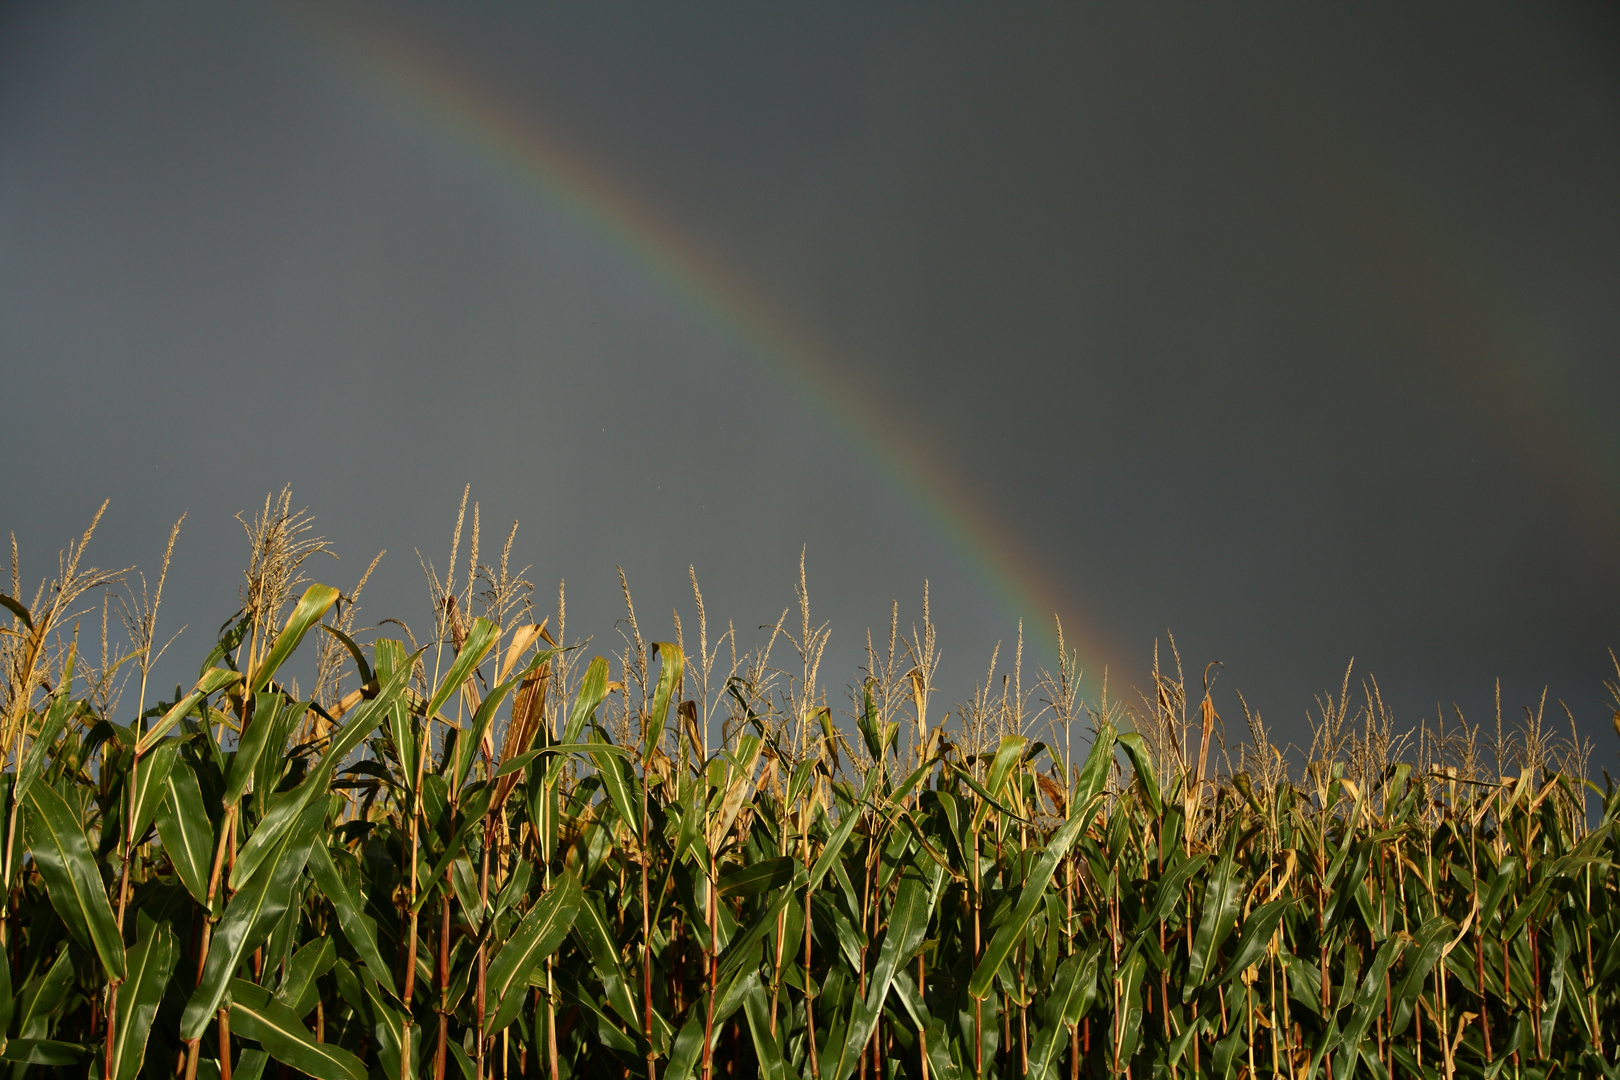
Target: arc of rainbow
<point>982,543</point>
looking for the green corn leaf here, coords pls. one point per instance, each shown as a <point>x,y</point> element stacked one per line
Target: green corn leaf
<point>1094,773</point>
<point>1171,889</point>
<point>184,829</point>
<point>1556,973</point>
<point>521,761</point>
<point>1369,1002</point>
<point>1142,761</point>
<point>535,938</point>
<point>1178,1045</point>
<point>1010,931</point>
<point>7,1003</point>
<point>391,656</point>
<point>618,781</point>
<point>212,681</point>
<point>63,856</point>
<point>362,937</point>
<point>297,990</point>
<point>834,847</point>
<point>41,751</point>
<point>759,877</point>
<point>1499,887</point>
<point>309,611</point>
<point>225,648</point>
<point>592,930</point>
<point>605,1029</point>
<point>249,917</point>
<point>767,1051</point>
<point>908,923</point>
<point>252,744</point>
<point>250,1066</point>
<point>1062,1009</point>
<point>389,1031</point>
<point>668,675</point>
<point>289,807</point>
<point>1255,936</point>
<point>691,830</point>
<point>348,643</point>
<point>803,773</point>
<point>150,963</point>
<point>687,1050</point>
<point>742,950</point>
<point>1344,897</point>
<point>365,718</point>
<point>593,688</point>
<point>480,639</point>
<point>867,723</point>
<point>151,783</point>
<point>45,1052</point>
<point>1009,753</point>
<point>464,882</point>
<point>472,815</point>
<point>256,1015</point>
<point>41,995</point>
<point>1222,896</point>
<point>1129,978</point>
<point>516,887</point>
<point>1427,944</point>
<point>469,740</point>
<point>464,1064</point>
<point>986,800</point>
<point>1226,1052</point>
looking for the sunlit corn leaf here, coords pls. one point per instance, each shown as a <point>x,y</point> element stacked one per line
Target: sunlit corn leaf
<point>305,614</point>
<point>184,828</point>
<point>284,1037</point>
<point>907,925</point>
<point>591,929</point>
<point>389,1030</point>
<point>355,927</point>
<point>1255,936</point>
<point>1223,894</point>
<point>1136,749</point>
<point>768,1052</point>
<point>468,741</point>
<point>151,785</point>
<point>536,937</point>
<point>1029,897</point>
<point>289,807</point>
<point>1368,1004</point>
<point>211,681</point>
<point>480,639</point>
<point>63,856</point>
<point>763,876</point>
<point>57,715</point>
<point>669,674</point>
<point>249,918</point>
<point>151,962</point>
<point>687,1050</point>
<point>1427,944</point>
<point>267,713</point>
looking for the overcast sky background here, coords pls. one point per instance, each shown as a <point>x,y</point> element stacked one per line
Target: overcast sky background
<point>1294,331</point>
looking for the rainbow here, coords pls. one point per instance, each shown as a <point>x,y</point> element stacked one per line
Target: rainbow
<point>453,104</point>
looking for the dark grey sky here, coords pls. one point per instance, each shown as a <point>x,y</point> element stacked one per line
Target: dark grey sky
<point>1293,330</point>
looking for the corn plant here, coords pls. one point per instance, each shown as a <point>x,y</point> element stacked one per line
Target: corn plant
<point>498,855</point>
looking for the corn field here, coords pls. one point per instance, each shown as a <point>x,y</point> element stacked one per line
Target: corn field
<point>501,853</point>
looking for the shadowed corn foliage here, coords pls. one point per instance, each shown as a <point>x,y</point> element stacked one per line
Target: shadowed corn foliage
<point>500,854</point>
